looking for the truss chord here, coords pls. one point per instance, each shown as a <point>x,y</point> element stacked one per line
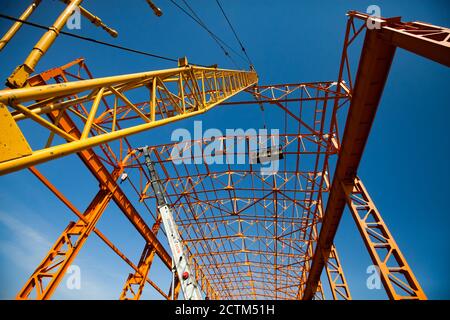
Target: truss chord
<point>247,235</point>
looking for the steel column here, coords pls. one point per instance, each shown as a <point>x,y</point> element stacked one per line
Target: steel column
<point>396,275</point>
<point>373,70</point>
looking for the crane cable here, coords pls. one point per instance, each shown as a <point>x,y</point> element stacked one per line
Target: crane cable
<point>214,36</point>
<point>209,30</point>
<point>234,32</point>
<point>222,44</point>
<point>39,26</point>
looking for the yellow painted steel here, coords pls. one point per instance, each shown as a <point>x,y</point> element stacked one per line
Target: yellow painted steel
<point>17,25</point>
<point>12,142</point>
<point>175,94</point>
<point>95,20</point>
<point>69,88</point>
<point>20,75</point>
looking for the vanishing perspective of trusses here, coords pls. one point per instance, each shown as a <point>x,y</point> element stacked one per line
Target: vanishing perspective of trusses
<point>248,235</point>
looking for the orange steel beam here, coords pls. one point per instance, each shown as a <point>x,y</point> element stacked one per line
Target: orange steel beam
<point>69,205</point>
<point>335,273</point>
<point>63,120</point>
<point>207,202</point>
<point>376,58</point>
<point>375,62</point>
<point>423,39</point>
<point>336,278</point>
<point>52,269</point>
<point>396,275</point>
<point>74,236</point>
<point>135,282</point>
<point>101,173</point>
<point>97,168</point>
<point>59,74</point>
<point>197,197</point>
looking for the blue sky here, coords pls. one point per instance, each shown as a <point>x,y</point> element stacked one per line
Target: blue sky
<point>405,166</point>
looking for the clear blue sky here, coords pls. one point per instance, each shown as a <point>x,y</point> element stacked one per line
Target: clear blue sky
<point>405,166</point>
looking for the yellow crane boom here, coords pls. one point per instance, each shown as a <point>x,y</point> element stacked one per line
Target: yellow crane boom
<point>173,94</point>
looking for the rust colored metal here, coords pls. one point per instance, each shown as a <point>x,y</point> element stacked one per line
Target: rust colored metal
<point>249,235</point>
<point>373,70</point>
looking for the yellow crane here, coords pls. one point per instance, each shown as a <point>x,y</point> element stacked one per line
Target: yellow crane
<point>174,94</point>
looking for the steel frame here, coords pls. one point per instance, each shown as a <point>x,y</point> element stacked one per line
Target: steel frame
<point>93,163</point>
<point>96,166</point>
<point>183,92</point>
<point>394,271</point>
<point>209,200</point>
<point>376,57</point>
<point>248,235</point>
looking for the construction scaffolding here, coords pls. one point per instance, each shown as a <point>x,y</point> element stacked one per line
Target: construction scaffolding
<point>248,235</point>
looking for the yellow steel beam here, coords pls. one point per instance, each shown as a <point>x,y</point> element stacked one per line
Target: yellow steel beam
<point>135,282</point>
<point>17,25</point>
<point>95,20</point>
<point>106,182</point>
<point>12,142</point>
<point>195,96</point>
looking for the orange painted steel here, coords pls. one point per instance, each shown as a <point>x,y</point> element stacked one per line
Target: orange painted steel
<point>373,70</point>
<point>396,275</point>
<point>72,208</point>
<point>336,278</point>
<point>52,269</point>
<point>255,227</point>
<point>135,282</point>
<point>94,163</point>
<point>101,173</point>
<point>375,61</point>
<point>87,223</point>
<point>249,235</point>
<point>286,188</point>
<point>335,274</point>
<point>423,39</point>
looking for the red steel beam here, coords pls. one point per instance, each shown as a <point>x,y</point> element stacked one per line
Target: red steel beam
<point>101,173</point>
<point>80,216</point>
<point>429,41</point>
<point>373,70</point>
<point>423,39</point>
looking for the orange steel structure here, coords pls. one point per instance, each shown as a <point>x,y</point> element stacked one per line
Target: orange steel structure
<point>248,235</point>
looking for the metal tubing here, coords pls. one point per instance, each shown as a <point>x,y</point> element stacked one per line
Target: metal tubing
<point>17,25</point>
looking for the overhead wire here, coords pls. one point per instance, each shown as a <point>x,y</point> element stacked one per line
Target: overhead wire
<point>221,43</point>
<point>235,33</point>
<point>39,26</point>
<point>209,30</point>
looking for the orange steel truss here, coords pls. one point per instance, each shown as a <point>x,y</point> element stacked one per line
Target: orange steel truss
<point>395,272</point>
<point>248,235</point>
<point>376,57</point>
